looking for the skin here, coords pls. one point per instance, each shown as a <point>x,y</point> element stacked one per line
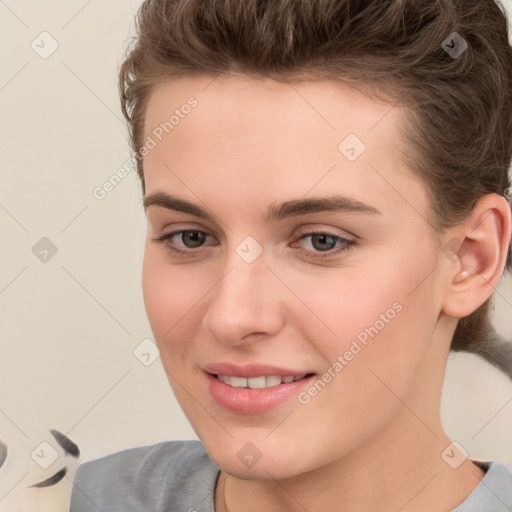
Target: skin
<point>372,439</point>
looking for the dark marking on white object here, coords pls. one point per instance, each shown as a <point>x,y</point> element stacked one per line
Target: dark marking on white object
<point>3,453</point>
<point>55,479</point>
<point>65,443</point>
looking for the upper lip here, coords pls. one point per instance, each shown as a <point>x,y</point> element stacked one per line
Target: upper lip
<point>251,370</point>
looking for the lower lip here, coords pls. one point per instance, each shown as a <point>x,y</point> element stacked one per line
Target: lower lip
<point>254,401</point>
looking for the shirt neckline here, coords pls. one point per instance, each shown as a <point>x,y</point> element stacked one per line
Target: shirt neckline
<point>493,470</point>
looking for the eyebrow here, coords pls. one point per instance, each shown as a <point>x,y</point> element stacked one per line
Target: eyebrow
<point>276,211</point>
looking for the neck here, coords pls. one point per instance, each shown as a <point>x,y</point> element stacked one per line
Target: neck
<point>401,470</point>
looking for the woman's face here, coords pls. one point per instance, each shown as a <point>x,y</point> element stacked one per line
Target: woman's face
<point>275,283</point>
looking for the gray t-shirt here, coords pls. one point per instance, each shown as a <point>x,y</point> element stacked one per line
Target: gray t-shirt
<point>179,476</point>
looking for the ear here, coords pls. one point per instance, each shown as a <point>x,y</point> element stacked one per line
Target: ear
<point>477,253</point>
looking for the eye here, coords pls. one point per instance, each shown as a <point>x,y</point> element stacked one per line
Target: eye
<point>190,239</point>
<point>325,244</point>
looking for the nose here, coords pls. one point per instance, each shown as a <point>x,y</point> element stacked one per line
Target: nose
<point>245,304</point>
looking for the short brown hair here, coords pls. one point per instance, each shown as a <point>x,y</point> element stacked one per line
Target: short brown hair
<point>459,132</point>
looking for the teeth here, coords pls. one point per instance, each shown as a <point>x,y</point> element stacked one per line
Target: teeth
<point>258,382</point>
<point>225,379</point>
<point>273,380</point>
<point>238,382</point>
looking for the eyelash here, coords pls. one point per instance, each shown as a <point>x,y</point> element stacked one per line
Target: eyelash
<point>321,255</point>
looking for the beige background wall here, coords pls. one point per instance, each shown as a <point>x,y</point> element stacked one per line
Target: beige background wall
<point>69,326</point>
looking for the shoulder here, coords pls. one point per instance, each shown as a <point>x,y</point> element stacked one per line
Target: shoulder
<point>147,478</point>
<point>494,492</point>
<point>499,482</point>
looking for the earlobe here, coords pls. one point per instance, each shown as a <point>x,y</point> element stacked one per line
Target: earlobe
<point>478,265</point>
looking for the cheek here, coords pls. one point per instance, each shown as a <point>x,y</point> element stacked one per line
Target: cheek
<point>382,332</point>
<point>170,293</point>
<point>378,319</point>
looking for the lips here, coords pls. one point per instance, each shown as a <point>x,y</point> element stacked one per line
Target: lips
<point>254,388</point>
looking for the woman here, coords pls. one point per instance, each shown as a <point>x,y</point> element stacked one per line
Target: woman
<point>328,211</point>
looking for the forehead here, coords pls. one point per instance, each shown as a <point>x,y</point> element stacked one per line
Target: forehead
<point>259,136</point>
<point>330,108</point>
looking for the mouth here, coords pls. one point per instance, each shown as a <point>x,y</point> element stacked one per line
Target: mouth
<point>261,382</point>
<point>257,394</point>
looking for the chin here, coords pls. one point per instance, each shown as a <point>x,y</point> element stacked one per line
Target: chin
<point>245,461</point>
<point>263,470</point>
